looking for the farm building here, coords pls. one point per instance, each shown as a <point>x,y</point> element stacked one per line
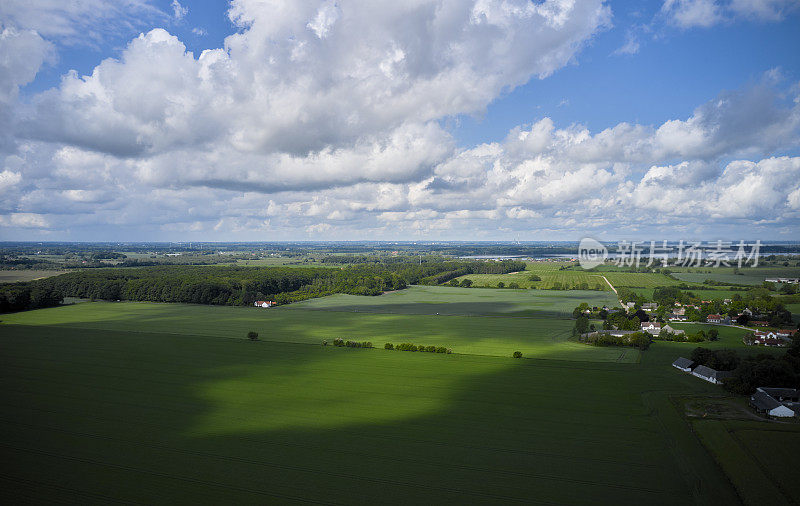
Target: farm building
<point>710,375</point>
<point>684,364</point>
<point>263,303</point>
<point>649,306</point>
<point>675,317</point>
<point>765,402</point>
<point>673,331</point>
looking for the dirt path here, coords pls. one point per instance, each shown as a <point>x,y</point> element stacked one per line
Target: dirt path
<point>611,286</point>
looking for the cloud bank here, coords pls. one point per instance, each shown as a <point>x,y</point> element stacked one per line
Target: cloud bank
<point>325,120</point>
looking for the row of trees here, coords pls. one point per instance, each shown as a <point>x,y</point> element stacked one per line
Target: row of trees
<point>414,347</point>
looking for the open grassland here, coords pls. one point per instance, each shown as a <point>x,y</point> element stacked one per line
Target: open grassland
<point>13,276</point>
<point>545,335</point>
<point>92,415</point>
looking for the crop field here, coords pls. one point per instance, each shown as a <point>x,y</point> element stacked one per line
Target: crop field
<point>165,403</point>
<point>447,300</point>
<point>550,274</point>
<point>13,276</point>
<point>757,459</point>
<point>747,276</point>
<point>545,334</point>
<point>98,416</point>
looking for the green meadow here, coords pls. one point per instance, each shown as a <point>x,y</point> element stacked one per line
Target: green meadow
<point>167,403</point>
<point>550,275</point>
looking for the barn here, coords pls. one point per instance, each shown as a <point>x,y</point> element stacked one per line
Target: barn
<point>684,364</point>
<point>763,402</point>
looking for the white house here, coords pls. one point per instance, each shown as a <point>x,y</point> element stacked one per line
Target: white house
<point>649,306</point>
<point>263,303</point>
<point>651,327</point>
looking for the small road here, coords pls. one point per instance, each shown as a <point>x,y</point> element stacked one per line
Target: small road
<point>612,287</point>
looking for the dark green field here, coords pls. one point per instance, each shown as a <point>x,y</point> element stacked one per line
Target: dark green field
<point>99,406</point>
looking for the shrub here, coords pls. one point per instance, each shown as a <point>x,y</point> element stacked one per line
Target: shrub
<point>430,349</point>
<point>388,346</point>
<point>406,347</point>
<point>366,344</point>
<point>449,350</point>
<point>253,336</point>
<point>517,354</point>
<point>501,285</point>
<point>338,341</point>
<point>324,342</point>
<point>441,349</point>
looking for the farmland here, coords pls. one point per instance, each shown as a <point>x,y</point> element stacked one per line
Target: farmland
<point>98,416</point>
<point>551,275</point>
<point>165,403</point>
<point>745,276</point>
<point>543,333</point>
<point>13,276</point>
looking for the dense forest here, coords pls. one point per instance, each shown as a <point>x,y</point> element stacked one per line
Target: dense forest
<point>238,285</point>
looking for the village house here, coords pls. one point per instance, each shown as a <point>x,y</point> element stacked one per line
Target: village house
<point>759,323</point>
<point>711,375</point>
<point>776,402</point>
<point>770,338</point>
<point>264,303</point>
<point>649,306</point>
<point>680,311</point>
<point>677,317</point>
<point>714,318</point>
<point>684,364</point>
<point>651,327</point>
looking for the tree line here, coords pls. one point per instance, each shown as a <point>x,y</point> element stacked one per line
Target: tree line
<point>233,285</point>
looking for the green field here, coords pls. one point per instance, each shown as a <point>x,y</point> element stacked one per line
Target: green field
<point>446,300</point>
<point>747,276</point>
<point>550,274</point>
<point>541,333</point>
<point>168,403</point>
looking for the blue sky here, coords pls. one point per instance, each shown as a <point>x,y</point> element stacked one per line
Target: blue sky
<point>627,101</point>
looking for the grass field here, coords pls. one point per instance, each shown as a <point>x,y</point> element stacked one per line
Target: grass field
<point>541,333</point>
<point>26,275</point>
<point>94,416</point>
<point>167,403</point>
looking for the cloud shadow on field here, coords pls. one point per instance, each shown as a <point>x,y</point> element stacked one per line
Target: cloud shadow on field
<point>162,418</point>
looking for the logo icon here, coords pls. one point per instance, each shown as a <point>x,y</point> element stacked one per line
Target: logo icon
<point>591,253</point>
